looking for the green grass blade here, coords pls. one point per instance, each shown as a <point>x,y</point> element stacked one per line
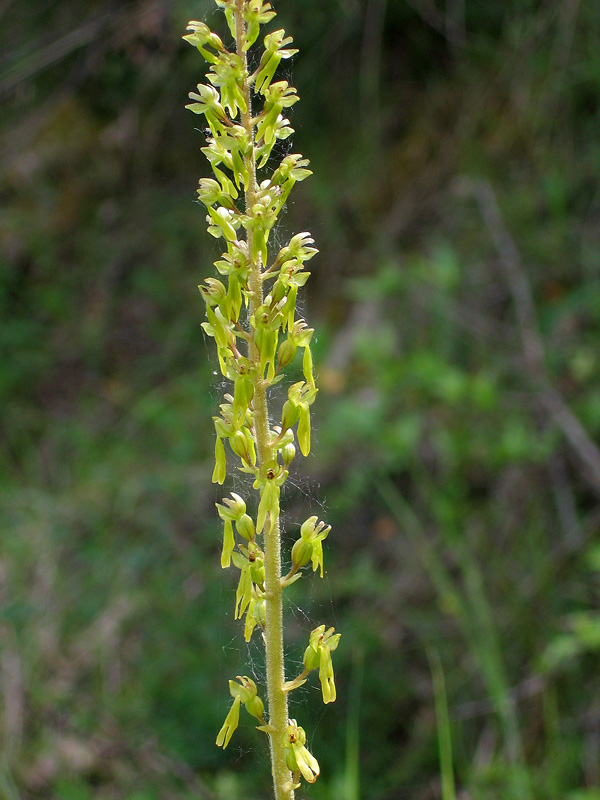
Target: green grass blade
<point>443,725</point>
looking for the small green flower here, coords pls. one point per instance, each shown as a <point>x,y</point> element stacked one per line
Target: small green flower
<point>274,52</point>
<point>302,396</point>
<point>241,373</point>
<point>298,758</point>
<point>292,167</point>
<point>236,262</point>
<point>228,9</point>
<point>224,426</point>
<point>219,327</point>
<point>243,692</point>
<point>281,131</point>
<point>208,103</point>
<point>255,615</point>
<point>229,149</point>
<point>233,510</point>
<point>250,562</point>
<point>225,222</point>
<point>271,477</point>
<point>300,335</point>
<point>265,323</point>
<point>314,533</point>
<point>321,644</point>
<point>278,96</point>
<point>200,37</point>
<point>291,170</point>
<point>228,75</point>
<point>213,291</point>
<point>211,193</point>
<point>247,692</point>
<point>256,13</point>
<point>300,247</point>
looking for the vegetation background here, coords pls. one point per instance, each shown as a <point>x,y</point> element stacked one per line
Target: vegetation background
<point>456,299</point>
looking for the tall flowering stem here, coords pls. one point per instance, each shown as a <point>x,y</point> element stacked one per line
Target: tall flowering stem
<point>251,315</point>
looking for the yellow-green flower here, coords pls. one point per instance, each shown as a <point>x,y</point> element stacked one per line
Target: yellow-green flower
<point>321,643</point>
<point>298,758</point>
<point>250,562</point>
<point>242,692</point>
<point>315,532</point>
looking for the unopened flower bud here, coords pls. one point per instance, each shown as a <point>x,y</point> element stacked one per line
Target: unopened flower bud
<point>239,445</point>
<point>301,553</point>
<point>290,760</point>
<point>289,415</point>
<point>245,527</point>
<point>257,573</point>
<point>312,659</point>
<point>288,453</point>
<point>255,707</point>
<point>286,353</point>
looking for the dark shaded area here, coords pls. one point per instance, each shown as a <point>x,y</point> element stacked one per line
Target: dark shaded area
<point>457,305</point>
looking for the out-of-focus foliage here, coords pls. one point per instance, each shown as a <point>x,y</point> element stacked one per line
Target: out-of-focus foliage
<point>465,511</point>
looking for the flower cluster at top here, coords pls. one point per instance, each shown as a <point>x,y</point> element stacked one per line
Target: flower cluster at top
<point>251,315</point>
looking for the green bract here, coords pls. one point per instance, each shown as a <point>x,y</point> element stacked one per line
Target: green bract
<point>251,315</point>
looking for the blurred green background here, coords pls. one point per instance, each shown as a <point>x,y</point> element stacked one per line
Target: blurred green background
<point>456,299</point>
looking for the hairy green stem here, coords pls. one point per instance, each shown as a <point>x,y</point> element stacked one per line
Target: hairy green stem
<point>273,634</point>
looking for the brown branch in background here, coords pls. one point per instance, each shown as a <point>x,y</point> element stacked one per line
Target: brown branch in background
<point>585,449</point>
<point>12,701</point>
<point>451,25</point>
